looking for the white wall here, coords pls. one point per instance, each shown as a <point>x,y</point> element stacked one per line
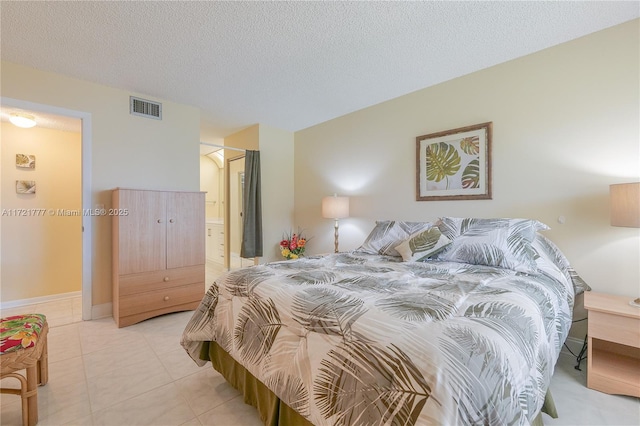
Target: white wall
<point>127,151</point>
<point>565,127</point>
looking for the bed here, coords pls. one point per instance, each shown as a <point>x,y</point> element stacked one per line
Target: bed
<point>457,322</point>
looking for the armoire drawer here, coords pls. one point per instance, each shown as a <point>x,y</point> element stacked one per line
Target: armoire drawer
<point>160,299</point>
<point>158,280</point>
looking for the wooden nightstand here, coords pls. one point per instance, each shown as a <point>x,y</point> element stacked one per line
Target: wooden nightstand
<point>613,363</point>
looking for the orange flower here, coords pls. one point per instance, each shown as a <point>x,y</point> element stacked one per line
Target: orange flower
<point>302,242</point>
<point>27,338</point>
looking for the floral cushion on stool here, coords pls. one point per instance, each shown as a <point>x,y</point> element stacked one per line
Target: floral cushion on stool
<point>20,332</point>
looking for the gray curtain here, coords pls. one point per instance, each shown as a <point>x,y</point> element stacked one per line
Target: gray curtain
<point>252,206</point>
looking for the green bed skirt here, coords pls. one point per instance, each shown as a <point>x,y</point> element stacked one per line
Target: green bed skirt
<point>274,412</point>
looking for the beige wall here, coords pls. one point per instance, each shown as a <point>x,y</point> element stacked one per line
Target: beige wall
<point>127,151</point>
<point>566,126</point>
<point>43,251</point>
<point>276,161</point>
<point>210,183</point>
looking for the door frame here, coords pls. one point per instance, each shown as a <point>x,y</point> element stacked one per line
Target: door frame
<point>85,146</point>
<point>227,209</point>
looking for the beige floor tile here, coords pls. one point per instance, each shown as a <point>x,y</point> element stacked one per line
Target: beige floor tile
<point>103,334</point>
<point>164,333</point>
<point>74,414</point>
<point>64,343</point>
<point>206,390</point>
<point>60,402</point>
<point>233,412</point>
<point>116,357</point>
<point>161,406</point>
<point>67,372</point>
<point>113,387</point>
<point>178,363</point>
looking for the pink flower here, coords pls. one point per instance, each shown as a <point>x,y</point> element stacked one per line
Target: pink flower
<point>293,246</point>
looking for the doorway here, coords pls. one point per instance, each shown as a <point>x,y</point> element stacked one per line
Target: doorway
<point>43,216</point>
<point>222,178</point>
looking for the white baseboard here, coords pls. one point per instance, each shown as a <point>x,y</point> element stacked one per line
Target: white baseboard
<point>41,299</point>
<point>104,310</point>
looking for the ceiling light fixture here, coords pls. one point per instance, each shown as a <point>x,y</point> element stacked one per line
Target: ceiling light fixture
<point>22,120</point>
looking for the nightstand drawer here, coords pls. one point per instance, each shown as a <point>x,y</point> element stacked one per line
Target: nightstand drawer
<point>614,328</point>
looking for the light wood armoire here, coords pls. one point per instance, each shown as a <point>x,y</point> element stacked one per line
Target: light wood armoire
<point>158,253</point>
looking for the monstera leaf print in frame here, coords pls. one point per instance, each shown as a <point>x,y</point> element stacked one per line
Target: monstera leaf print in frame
<point>454,164</point>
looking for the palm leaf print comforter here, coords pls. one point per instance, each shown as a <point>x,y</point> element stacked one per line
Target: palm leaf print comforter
<point>355,339</point>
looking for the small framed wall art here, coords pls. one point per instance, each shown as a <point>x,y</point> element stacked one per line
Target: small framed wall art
<point>26,186</point>
<point>26,161</point>
<point>454,164</point>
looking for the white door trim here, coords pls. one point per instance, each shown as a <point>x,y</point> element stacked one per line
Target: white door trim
<point>86,188</point>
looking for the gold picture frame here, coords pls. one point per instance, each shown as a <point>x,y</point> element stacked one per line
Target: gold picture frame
<point>454,164</point>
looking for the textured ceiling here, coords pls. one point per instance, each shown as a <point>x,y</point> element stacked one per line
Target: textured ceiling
<point>286,64</point>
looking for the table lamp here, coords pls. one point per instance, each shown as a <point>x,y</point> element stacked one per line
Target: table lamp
<point>625,204</point>
<point>334,207</point>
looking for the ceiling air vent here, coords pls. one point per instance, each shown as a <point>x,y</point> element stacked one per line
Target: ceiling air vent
<point>145,108</point>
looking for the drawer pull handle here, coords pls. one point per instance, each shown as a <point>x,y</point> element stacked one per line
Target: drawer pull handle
<point>166,298</point>
<point>166,279</point>
<point>171,220</point>
<point>159,221</point>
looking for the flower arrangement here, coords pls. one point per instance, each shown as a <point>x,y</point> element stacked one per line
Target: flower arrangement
<point>292,245</point>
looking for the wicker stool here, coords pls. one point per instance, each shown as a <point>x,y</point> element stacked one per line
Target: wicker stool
<point>23,346</point>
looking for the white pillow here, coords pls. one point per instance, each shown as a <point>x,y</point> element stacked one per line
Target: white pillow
<point>502,242</point>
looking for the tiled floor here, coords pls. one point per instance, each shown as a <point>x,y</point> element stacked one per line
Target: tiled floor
<point>58,312</point>
<point>140,375</point>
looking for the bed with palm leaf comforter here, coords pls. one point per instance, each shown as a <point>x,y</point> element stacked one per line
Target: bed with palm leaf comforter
<point>369,339</point>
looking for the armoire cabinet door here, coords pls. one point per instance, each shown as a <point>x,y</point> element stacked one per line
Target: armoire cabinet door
<point>185,229</point>
<point>142,232</point>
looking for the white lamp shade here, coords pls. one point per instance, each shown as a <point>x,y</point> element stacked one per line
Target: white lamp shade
<point>625,204</point>
<point>334,207</point>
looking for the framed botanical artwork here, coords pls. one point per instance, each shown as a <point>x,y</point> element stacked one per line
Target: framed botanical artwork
<point>454,164</point>
<point>26,161</point>
<point>26,186</point>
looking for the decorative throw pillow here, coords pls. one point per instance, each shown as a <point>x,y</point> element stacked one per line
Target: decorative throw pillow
<point>387,234</point>
<point>422,245</point>
<point>505,243</point>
